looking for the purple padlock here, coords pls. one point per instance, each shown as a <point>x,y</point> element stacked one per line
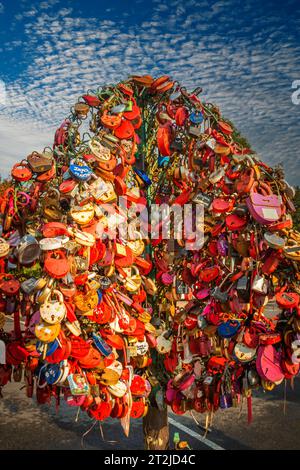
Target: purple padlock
<point>225,400</point>
<point>222,245</point>
<point>34,320</point>
<point>10,305</point>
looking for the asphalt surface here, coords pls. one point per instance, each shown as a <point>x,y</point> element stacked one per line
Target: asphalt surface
<point>26,425</point>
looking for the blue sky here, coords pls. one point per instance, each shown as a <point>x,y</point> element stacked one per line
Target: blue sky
<point>245,55</point>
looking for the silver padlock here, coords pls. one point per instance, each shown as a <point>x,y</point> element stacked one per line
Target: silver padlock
<point>260,284</point>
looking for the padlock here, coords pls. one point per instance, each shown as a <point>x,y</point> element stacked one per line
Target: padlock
<point>18,373</point>
<point>226,400</point>
<point>212,314</point>
<point>260,284</point>
<point>164,342</point>
<point>10,305</point>
<point>218,294</point>
<point>242,287</point>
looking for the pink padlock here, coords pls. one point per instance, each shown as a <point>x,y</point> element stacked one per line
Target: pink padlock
<point>167,279</point>
<point>202,294</point>
<point>73,400</point>
<point>187,382</point>
<point>171,393</point>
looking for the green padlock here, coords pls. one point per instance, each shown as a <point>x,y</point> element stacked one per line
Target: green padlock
<point>129,106</point>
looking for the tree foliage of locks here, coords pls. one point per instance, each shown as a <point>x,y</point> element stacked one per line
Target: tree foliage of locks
<point>113,321</point>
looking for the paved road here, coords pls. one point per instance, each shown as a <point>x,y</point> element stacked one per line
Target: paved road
<point>25,425</point>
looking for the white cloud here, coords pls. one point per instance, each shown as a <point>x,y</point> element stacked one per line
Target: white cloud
<point>30,13</point>
<point>18,17</point>
<point>2,94</point>
<point>249,75</point>
<point>17,140</point>
<point>48,4</point>
<point>1,8</point>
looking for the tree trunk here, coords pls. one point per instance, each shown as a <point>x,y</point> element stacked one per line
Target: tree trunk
<point>156,429</point>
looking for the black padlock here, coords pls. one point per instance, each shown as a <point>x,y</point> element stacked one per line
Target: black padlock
<point>241,210</point>
<point>65,204</point>
<point>218,294</point>
<point>155,321</point>
<point>177,145</point>
<point>204,199</point>
<point>18,373</point>
<point>243,288</point>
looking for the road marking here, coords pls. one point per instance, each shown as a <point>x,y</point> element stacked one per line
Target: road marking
<point>205,441</point>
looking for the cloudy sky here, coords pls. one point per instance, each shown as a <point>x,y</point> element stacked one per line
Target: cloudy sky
<point>244,53</point>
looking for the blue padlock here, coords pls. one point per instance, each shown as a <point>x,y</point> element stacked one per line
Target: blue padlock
<point>101,345</point>
<point>40,372</point>
<point>51,347</point>
<point>146,180</point>
<point>228,328</point>
<point>52,373</point>
<point>100,295</point>
<point>80,172</point>
<point>196,117</point>
<point>163,161</point>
